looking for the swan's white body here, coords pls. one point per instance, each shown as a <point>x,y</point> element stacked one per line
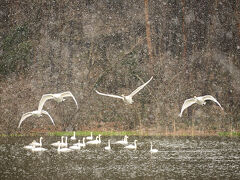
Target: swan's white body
<point>75,147</point>
<point>63,149</point>
<point>131,146</point>
<point>28,147</point>
<point>127,99</point>
<point>58,142</point>
<point>109,145</point>
<point>90,137</point>
<point>153,150</point>
<point>96,141</point>
<point>59,97</point>
<point>34,113</point>
<point>123,142</point>
<point>199,100</point>
<point>34,143</point>
<point>74,136</point>
<point>38,149</point>
<point>80,144</point>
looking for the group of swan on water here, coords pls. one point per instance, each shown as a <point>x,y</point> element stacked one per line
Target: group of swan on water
<point>62,146</point>
<point>59,97</point>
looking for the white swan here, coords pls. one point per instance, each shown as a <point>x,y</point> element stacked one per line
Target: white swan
<point>28,147</point>
<point>34,113</point>
<point>109,145</point>
<point>75,147</point>
<point>59,97</point>
<point>58,142</point>
<point>199,100</point>
<point>34,143</point>
<point>96,141</point>
<point>80,144</point>
<point>90,137</point>
<point>74,136</point>
<point>38,149</point>
<point>63,149</point>
<point>127,99</point>
<point>153,150</point>
<point>131,146</point>
<point>123,142</point>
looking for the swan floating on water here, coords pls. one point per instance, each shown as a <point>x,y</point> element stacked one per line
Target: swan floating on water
<point>75,147</point>
<point>131,146</point>
<point>153,150</point>
<point>58,142</point>
<point>80,144</point>
<point>96,141</point>
<point>59,97</point>
<point>28,147</point>
<point>34,113</point>
<point>34,143</point>
<point>127,99</point>
<point>109,145</point>
<point>65,149</point>
<point>74,136</point>
<point>38,149</point>
<point>123,142</point>
<point>90,137</point>
<point>199,100</point>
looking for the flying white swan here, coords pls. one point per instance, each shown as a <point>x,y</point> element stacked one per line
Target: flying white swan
<point>59,97</point>
<point>58,142</point>
<point>74,136</point>
<point>123,142</point>
<point>127,99</point>
<point>109,145</point>
<point>63,149</point>
<point>96,141</point>
<point>90,137</point>
<point>34,113</point>
<point>153,150</point>
<point>35,143</point>
<point>131,146</point>
<point>199,100</point>
<point>80,144</point>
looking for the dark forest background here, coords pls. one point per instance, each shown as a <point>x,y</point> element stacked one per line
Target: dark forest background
<point>189,47</point>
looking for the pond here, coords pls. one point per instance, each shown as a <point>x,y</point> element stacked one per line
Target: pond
<point>178,158</point>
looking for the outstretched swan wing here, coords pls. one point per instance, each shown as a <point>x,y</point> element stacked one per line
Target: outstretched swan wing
<point>209,97</point>
<point>140,87</point>
<point>69,94</point>
<point>45,112</point>
<point>186,104</point>
<point>24,116</point>
<point>110,95</point>
<point>44,98</point>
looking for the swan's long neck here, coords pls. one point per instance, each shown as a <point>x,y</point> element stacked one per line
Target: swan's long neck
<point>99,139</point>
<point>62,139</point>
<point>151,147</point>
<point>109,144</point>
<point>74,134</point>
<point>66,141</point>
<point>135,144</point>
<point>83,141</point>
<point>91,134</point>
<point>40,142</point>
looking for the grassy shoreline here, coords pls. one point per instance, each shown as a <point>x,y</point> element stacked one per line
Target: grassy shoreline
<point>118,133</point>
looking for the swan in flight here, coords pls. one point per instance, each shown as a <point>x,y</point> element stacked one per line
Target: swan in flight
<point>63,149</point>
<point>199,100</point>
<point>153,150</point>
<point>96,141</point>
<point>90,137</point>
<point>80,144</point>
<point>34,113</point>
<point>74,136</point>
<point>109,145</point>
<point>131,146</point>
<point>123,142</point>
<point>127,99</point>
<point>58,142</point>
<point>34,143</point>
<point>59,97</point>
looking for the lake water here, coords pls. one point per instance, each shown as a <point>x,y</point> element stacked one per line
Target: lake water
<point>178,158</point>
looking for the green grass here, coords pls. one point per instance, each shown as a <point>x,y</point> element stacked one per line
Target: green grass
<point>229,133</point>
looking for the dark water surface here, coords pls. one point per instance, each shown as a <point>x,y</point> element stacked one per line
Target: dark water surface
<point>178,158</point>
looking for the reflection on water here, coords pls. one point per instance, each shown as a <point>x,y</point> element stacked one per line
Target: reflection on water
<point>178,158</point>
